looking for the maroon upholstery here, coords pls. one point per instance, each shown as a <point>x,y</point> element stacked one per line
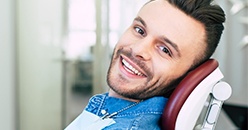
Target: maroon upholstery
<point>183,90</point>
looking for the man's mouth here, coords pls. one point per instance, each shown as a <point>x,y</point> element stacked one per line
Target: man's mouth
<point>130,68</point>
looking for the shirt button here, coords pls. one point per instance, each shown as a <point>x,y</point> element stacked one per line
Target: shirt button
<point>103,112</point>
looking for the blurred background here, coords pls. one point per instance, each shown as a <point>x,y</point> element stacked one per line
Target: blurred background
<point>54,56</point>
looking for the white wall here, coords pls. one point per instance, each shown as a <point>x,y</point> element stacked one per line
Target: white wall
<point>39,39</point>
<point>7,65</point>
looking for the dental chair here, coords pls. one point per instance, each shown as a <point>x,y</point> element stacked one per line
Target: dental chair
<point>196,102</point>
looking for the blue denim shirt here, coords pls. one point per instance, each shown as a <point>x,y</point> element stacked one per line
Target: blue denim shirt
<point>144,115</point>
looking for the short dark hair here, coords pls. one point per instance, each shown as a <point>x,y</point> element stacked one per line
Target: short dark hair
<point>211,16</point>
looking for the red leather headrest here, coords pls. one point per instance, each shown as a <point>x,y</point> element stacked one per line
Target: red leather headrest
<point>183,90</point>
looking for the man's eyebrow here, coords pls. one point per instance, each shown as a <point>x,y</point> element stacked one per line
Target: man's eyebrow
<point>139,19</point>
<point>173,45</point>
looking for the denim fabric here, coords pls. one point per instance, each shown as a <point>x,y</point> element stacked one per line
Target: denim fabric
<point>142,116</point>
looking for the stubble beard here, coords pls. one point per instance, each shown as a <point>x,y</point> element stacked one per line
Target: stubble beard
<point>145,90</point>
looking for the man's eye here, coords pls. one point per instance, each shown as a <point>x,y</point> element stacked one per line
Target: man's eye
<point>165,50</point>
<point>139,30</point>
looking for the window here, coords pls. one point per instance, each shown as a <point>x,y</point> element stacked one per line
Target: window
<point>81,29</point>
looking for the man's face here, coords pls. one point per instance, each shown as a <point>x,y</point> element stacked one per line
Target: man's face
<point>158,48</point>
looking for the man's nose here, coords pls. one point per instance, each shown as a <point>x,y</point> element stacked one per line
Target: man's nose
<point>142,49</point>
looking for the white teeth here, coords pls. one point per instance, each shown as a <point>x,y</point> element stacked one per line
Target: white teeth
<point>131,68</point>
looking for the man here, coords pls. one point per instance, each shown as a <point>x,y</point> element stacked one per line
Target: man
<point>166,40</point>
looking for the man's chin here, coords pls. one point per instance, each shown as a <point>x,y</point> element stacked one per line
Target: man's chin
<point>133,94</point>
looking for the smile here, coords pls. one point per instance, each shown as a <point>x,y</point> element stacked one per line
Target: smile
<point>130,68</point>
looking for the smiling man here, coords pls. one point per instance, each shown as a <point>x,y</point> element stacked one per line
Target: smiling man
<point>166,40</point>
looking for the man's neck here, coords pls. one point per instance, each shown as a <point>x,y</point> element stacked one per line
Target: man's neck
<point>112,93</point>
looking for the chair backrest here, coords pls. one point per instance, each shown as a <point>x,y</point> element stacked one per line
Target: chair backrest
<point>187,100</point>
